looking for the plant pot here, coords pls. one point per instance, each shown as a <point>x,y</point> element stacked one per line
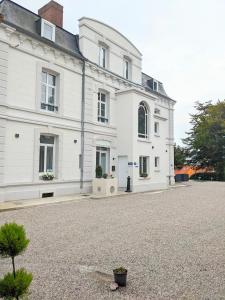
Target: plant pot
<point>120,278</point>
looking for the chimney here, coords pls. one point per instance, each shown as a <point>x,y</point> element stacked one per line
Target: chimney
<point>52,12</point>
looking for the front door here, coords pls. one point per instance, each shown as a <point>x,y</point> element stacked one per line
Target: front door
<point>122,171</point>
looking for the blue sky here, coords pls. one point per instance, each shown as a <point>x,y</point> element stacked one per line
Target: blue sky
<point>182,42</point>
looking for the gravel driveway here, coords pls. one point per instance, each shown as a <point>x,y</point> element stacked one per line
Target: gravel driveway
<point>173,244</point>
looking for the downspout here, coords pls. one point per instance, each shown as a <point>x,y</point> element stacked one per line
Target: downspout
<point>82,127</point>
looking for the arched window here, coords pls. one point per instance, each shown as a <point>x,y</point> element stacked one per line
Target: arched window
<point>142,120</point>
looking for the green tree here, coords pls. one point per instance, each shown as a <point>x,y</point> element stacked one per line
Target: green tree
<point>13,242</point>
<point>180,156</point>
<point>206,140</point>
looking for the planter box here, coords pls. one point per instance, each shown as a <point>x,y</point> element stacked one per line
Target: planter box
<point>105,187</point>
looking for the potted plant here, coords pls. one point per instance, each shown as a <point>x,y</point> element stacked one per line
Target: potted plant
<point>98,172</point>
<point>120,276</point>
<point>105,176</point>
<point>144,175</point>
<point>47,176</point>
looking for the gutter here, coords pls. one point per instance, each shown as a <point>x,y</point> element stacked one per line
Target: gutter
<point>82,128</point>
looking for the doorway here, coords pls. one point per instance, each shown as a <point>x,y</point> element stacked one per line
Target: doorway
<point>122,171</point>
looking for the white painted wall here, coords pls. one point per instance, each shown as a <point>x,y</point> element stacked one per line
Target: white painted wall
<point>93,32</point>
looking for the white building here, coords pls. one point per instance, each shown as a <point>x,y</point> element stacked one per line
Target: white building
<point>71,102</point>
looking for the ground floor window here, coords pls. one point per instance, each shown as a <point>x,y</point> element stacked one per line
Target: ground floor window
<point>143,166</point>
<point>102,159</point>
<point>47,152</point>
<point>157,162</point>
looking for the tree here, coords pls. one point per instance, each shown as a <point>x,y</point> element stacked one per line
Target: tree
<point>206,139</point>
<point>180,156</point>
<point>13,242</point>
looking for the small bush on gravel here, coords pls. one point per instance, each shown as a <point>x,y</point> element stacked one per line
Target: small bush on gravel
<point>11,287</point>
<point>13,242</point>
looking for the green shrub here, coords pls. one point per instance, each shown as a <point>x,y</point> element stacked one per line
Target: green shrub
<point>11,287</point>
<point>98,172</point>
<point>209,176</point>
<point>13,240</point>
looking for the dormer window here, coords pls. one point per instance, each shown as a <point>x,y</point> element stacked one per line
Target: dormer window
<point>48,30</point>
<point>153,84</point>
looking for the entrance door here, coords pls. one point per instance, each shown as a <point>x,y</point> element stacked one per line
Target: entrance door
<point>122,171</point>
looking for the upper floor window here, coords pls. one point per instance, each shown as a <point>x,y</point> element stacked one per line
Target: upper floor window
<point>103,108</point>
<point>153,84</point>
<point>127,68</point>
<point>103,56</point>
<point>143,116</point>
<point>48,91</point>
<point>48,30</point>
<point>156,127</point>
<point>46,155</point>
<point>157,111</point>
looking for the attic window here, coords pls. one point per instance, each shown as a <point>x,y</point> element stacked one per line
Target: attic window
<point>48,30</point>
<point>152,84</point>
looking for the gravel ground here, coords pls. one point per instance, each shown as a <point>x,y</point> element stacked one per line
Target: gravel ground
<point>173,244</point>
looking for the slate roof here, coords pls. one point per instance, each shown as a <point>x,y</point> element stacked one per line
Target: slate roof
<point>146,78</point>
<point>26,22</point>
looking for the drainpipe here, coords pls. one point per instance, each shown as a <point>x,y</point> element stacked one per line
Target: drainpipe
<point>82,128</point>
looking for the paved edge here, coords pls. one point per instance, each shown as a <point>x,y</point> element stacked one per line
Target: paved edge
<point>56,200</point>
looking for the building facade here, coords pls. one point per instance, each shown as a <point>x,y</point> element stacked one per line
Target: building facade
<point>69,103</point>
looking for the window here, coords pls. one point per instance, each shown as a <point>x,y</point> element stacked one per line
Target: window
<point>152,84</point>
<point>48,92</point>
<point>157,111</point>
<point>46,156</point>
<point>126,68</point>
<point>157,162</point>
<point>143,166</point>
<point>102,159</point>
<point>102,107</point>
<point>48,30</point>
<point>143,121</point>
<point>156,126</point>
<point>103,56</point>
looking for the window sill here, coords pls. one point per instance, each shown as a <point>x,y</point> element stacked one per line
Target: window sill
<point>144,140</point>
<point>144,178</point>
<point>157,135</point>
<point>47,112</point>
<point>157,170</point>
<point>103,124</point>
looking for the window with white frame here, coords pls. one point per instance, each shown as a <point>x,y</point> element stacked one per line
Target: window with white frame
<point>156,128</point>
<point>103,51</point>
<point>103,107</point>
<point>143,166</point>
<point>127,68</point>
<point>157,162</point>
<point>48,91</point>
<point>102,159</point>
<point>47,153</point>
<point>152,84</point>
<point>48,30</point>
<point>143,116</point>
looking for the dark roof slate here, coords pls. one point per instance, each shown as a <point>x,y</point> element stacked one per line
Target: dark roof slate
<point>26,21</point>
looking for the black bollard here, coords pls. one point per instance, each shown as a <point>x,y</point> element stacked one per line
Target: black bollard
<point>128,190</point>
